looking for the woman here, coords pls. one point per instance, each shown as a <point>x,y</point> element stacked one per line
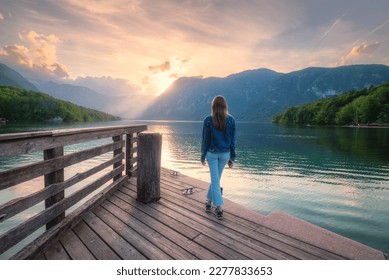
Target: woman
<point>218,147</point>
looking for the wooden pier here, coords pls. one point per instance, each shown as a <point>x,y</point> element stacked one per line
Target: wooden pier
<point>114,225</point>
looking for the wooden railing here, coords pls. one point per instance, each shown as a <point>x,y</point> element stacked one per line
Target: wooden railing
<point>52,167</point>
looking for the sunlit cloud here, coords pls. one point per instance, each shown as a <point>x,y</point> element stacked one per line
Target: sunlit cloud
<point>160,68</point>
<point>358,52</point>
<point>1,16</point>
<point>18,54</point>
<point>39,54</point>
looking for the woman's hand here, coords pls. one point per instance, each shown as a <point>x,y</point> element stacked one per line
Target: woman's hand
<point>230,164</point>
<point>203,162</point>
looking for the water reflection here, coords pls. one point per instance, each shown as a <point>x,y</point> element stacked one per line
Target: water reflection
<point>309,172</point>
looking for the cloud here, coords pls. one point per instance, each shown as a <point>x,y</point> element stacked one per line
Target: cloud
<point>1,16</point>
<point>160,68</point>
<point>38,53</point>
<point>18,54</point>
<point>358,52</point>
<point>108,85</point>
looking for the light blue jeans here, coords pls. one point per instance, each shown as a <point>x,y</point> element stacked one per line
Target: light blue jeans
<point>216,163</point>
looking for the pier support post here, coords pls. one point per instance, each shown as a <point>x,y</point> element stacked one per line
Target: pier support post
<point>149,167</point>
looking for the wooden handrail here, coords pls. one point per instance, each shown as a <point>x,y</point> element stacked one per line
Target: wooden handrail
<point>51,144</point>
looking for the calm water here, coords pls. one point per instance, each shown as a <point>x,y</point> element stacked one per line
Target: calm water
<point>336,178</point>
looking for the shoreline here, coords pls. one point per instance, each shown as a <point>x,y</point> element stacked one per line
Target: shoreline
<point>368,126</point>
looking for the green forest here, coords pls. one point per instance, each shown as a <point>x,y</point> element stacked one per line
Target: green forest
<point>366,106</point>
<point>25,105</point>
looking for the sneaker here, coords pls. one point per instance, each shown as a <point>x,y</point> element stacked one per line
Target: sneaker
<point>218,214</point>
<point>208,206</point>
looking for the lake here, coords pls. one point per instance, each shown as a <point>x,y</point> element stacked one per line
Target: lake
<point>334,177</point>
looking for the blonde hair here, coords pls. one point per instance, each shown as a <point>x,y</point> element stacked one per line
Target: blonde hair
<point>219,112</point>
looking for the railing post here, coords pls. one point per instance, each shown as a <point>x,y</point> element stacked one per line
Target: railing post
<point>52,178</point>
<point>116,152</point>
<point>130,139</point>
<point>149,167</point>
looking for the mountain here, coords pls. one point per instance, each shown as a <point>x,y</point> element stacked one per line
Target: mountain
<point>365,106</point>
<point>190,98</point>
<point>124,106</point>
<point>9,77</point>
<point>77,94</point>
<point>128,106</point>
<point>17,104</point>
<point>257,95</point>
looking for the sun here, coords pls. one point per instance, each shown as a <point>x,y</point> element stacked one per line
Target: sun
<point>162,81</point>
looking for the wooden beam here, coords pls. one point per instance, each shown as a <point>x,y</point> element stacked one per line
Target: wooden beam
<point>70,220</point>
<point>18,205</point>
<point>22,143</point>
<point>21,174</point>
<point>15,235</point>
<point>53,178</point>
<point>149,167</point>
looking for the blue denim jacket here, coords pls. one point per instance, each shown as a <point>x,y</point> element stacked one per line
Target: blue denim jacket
<point>216,141</point>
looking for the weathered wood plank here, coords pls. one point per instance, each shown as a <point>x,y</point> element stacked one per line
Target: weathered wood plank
<point>291,246</point>
<point>15,235</point>
<point>191,216</point>
<point>117,139</point>
<point>70,220</point>
<point>40,256</point>
<point>224,252</point>
<point>208,227</point>
<point>94,243</point>
<point>151,235</point>
<point>129,196</point>
<point>236,230</point>
<point>172,230</point>
<point>149,167</point>
<point>74,247</point>
<point>18,205</point>
<point>21,143</point>
<point>56,252</point>
<point>120,246</point>
<point>54,177</point>
<point>31,134</point>
<point>130,158</point>
<point>150,251</point>
<point>21,174</point>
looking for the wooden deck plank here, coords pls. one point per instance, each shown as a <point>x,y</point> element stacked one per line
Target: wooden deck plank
<point>75,248</point>
<point>216,247</point>
<point>172,197</point>
<point>177,227</point>
<point>223,251</point>
<point>207,221</point>
<point>40,256</point>
<point>139,242</point>
<point>94,243</point>
<point>291,246</point>
<point>209,227</point>
<point>151,235</point>
<point>170,228</point>
<point>189,232</point>
<point>56,252</point>
<point>121,247</point>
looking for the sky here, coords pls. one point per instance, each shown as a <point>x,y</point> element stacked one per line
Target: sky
<point>143,46</point>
